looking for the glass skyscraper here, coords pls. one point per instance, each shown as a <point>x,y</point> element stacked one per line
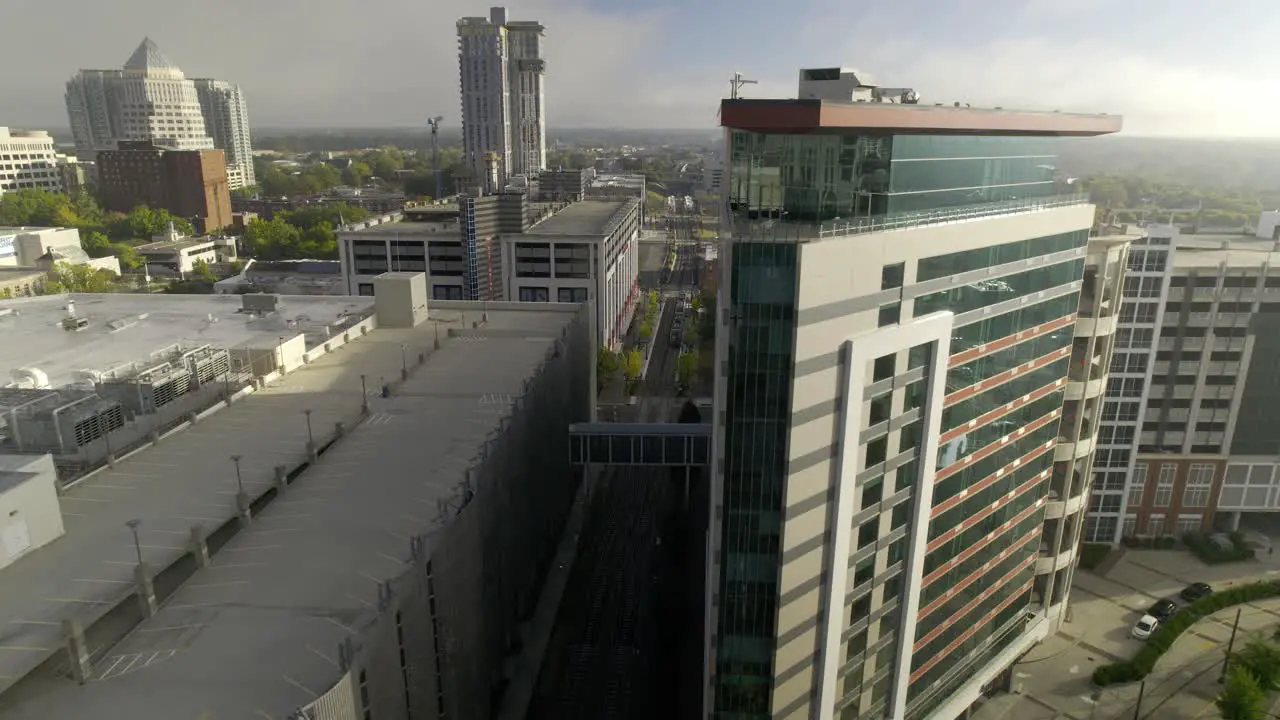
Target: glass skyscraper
<point>899,286</point>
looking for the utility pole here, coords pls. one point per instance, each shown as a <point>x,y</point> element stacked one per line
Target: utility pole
<point>435,154</point>
<point>736,83</point>
<point>1226,660</point>
<point>1138,708</point>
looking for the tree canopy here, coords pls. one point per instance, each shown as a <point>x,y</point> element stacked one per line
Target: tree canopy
<point>79,279</point>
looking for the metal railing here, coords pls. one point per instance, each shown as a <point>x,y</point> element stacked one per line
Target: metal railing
<point>906,220</point>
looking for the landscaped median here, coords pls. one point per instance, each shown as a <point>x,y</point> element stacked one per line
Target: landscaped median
<point>1145,659</point>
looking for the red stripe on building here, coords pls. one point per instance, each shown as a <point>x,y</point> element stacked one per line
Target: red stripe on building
<point>1009,341</point>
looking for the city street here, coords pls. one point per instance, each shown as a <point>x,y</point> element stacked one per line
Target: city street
<point>632,603</point>
<point>1053,682</point>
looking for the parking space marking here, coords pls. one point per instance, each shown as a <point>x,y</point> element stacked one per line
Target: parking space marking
<point>299,685</point>
<point>199,519</point>
<point>158,547</point>
<point>80,600</point>
<point>98,580</point>
<point>71,514</point>
<point>276,530</point>
<point>84,499</point>
<point>335,622</point>
<point>289,517</point>
<point>171,627</point>
<point>326,658</point>
<point>218,584</point>
<point>23,648</point>
<point>230,566</point>
<point>362,601</point>
<point>395,560</point>
<point>34,622</point>
<point>246,549</point>
<point>104,486</point>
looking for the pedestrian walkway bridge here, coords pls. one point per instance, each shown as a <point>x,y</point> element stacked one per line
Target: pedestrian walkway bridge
<point>640,444</point>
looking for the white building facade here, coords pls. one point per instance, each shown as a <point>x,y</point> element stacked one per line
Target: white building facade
<point>501,69</point>
<point>27,161</point>
<point>226,116</point>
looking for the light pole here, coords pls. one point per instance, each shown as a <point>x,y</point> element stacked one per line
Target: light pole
<point>364,394</point>
<point>137,545</point>
<point>310,440</point>
<point>404,362</point>
<point>239,480</point>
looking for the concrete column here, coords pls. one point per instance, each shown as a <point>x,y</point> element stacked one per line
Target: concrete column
<point>340,428</point>
<point>199,548</point>
<point>312,453</point>
<point>191,418</point>
<point>146,591</point>
<point>1235,520</point>
<point>111,460</point>
<point>282,478</point>
<point>242,504</point>
<point>77,650</point>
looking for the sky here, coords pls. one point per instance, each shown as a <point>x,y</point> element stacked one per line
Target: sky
<point>1171,67</point>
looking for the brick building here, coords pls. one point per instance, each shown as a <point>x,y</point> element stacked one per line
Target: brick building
<point>191,184</point>
<point>1172,495</point>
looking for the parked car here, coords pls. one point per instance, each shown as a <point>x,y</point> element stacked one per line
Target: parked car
<point>1162,610</point>
<point>1144,627</point>
<point>1196,591</point>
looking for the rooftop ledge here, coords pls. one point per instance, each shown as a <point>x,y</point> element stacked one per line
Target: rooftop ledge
<point>819,116</point>
<point>766,230</point>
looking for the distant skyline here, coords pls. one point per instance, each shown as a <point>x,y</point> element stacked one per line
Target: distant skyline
<point>1171,68</point>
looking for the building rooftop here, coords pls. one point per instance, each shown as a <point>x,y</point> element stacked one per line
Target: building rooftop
<point>815,115</point>
<point>125,328</point>
<point>180,244</point>
<point>256,634</point>
<point>588,217</point>
<point>19,273</point>
<point>1208,250</point>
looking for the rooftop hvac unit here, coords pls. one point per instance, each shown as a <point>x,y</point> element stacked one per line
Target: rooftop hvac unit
<point>61,421</point>
<point>98,425</point>
<point>149,390</point>
<point>205,363</point>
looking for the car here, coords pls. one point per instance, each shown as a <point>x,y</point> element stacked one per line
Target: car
<point>1196,591</point>
<point>1144,627</point>
<point>1162,610</point>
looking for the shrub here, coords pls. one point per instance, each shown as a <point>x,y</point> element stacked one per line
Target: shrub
<point>1092,554</point>
<point>1140,665</point>
<point>1210,553</point>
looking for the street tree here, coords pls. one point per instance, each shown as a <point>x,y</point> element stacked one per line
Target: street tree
<point>356,174</point>
<point>687,369</point>
<point>646,330</point>
<point>632,366</point>
<point>607,365</point>
<point>1262,660</point>
<point>272,239</point>
<point>1241,697</point>
<point>79,279</point>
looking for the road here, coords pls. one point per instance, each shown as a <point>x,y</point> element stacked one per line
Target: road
<point>622,630</point>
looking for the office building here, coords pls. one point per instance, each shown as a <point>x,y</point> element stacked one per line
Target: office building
<point>587,251</point>
<point>42,247</point>
<point>152,99</point>
<point>1138,321</point>
<point>190,184</point>
<point>897,308</point>
<point>226,115</point>
<point>501,68</point>
<point>28,161</point>
<point>457,244</point>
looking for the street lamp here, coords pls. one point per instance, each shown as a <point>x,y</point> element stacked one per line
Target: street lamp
<point>364,395</point>
<point>239,480</point>
<point>310,440</point>
<point>404,363</point>
<point>137,545</point>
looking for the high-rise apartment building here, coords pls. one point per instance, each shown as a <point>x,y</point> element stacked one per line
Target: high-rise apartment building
<point>501,70</point>
<point>152,100</point>
<point>28,160</point>
<point>226,115</point>
<point>897,313</point>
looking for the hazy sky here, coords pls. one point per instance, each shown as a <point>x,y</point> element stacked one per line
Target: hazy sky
<point>1172,67</point>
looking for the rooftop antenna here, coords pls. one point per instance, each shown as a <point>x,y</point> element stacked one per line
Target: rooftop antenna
<point>736,83</point>
<point>435,153</point>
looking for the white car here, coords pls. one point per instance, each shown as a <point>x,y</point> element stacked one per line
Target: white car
<point>1144,627</point>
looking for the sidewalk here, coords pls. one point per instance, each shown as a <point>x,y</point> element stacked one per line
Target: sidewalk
<point>1053,682</point>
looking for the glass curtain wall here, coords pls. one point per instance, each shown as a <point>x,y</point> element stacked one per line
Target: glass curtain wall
<point>761,358</point>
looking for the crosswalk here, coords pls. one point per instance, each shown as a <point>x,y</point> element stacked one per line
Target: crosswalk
<point>117,665</point>
<point>379,418</point>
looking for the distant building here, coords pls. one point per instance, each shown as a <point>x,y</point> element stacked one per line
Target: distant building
<point>564,185</point>
<point>501,69</point>
<point>713,175</point>
<point>588,251</point>
<point>28,160</point>
<point>226,116</point>
<point>76,176</point>
<point>42,247</point>
<point>612,186</point>
<point>177,254</point>
<point>152,99</point>
<point>21,281</point>
<point>286,277</point>
<point>190,184</point>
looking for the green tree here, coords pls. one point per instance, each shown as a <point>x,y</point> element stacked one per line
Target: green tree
<point>687,369</point>
<point>245,193</point>
<point>654,203</point>
<point>317,243</point>
<point>384,162</point>
<point>646,330</point>
<point>1241,698</point>
<point>632,366</point>
<point>144,223</point>
<point>1262,660</point>
<point>37,207</point>
<point>420,185</point>
<point>356,174</point>
<point>98,245</point>
<point>200,271</point>
<point>79,279</point>
<point>330,215</point>
<point>272,239</point>
<point>607,364</point>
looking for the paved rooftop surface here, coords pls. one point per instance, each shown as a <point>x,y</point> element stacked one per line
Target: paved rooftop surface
<point>33,338</point>
<point>1207,250</point>
<point>255,635</point>
<point>587,217</point>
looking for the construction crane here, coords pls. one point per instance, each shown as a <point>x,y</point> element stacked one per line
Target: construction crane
<point>435,154</point>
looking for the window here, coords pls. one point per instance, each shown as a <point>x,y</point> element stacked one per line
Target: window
<point>1137,485</point>
<point>446,292</point>
<point>1129,362</point>
<point>1115,411</point>
<point>571,295</point>
<point>1164,485</point>
<point>868,532</point>
<point>877,451</point>
<point>1188,523</point>
<point>1155,525</point>
<point>872,493</point>
<point>1133,337</point>
<point>891,276</point>
<point>365,289</point>
<point>1142,312</point>
<point>890,314</point>
<point>1124,387</point>
<point>1199,481</point>
<point>881,405</point>
<point>1130,526</point>
<point>1099,503</point>
<point>534,294</point>
<point>883,368</point>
